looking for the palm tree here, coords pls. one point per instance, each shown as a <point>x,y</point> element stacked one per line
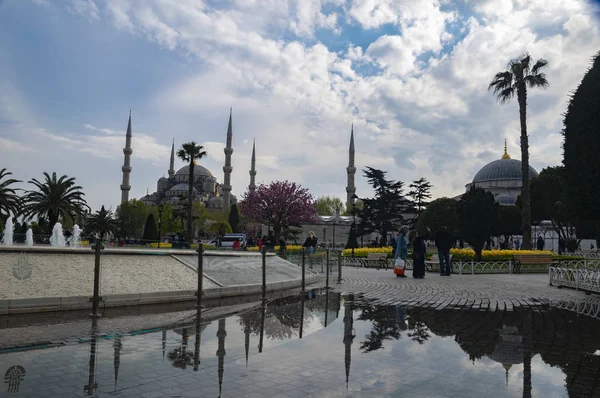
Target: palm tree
<point>515,80</point>
<point>9,200</point>
<point>189,152</point>
<point>102,222</point>
<point>54,199</point>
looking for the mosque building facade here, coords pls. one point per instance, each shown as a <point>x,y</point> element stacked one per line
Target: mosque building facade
<point>171,189</point>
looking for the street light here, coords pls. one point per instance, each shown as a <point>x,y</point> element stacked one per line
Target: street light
<point>337,215</point>
<point>160,210</point>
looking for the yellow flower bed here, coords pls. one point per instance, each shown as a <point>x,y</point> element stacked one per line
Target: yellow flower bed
<point>163,245</point>
<point>492,255</point>
<point>289,248</point>
<point>364,251</point>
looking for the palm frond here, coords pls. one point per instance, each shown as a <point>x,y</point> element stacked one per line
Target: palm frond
<point>538,80</point>
<point>540,63</point>
<point>10,202</point>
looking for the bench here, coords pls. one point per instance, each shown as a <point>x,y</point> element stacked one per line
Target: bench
<point>435,261</point>
<point>379,259</point>
<point>534,259</point>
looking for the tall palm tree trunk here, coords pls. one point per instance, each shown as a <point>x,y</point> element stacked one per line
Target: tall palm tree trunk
<point>190,232</point>
<point>525,189</point>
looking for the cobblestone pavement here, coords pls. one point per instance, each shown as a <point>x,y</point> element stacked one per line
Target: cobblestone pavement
<point>492,292</point>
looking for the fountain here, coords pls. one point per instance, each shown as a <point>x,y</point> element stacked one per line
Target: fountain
<point>7,239</point>
<point>57,239</point>
<point>75,238</point>
<point>29,237</point>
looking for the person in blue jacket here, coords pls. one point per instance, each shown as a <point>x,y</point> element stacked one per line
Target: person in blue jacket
<point>401,247</point>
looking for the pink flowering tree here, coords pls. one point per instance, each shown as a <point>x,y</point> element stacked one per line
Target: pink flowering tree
<point>279,205</point>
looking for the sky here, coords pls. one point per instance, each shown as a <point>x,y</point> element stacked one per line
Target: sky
<point>410,75</point>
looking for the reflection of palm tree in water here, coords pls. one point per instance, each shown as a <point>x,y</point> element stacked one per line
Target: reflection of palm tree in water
<point>181,357</point>
<point>420,331</point>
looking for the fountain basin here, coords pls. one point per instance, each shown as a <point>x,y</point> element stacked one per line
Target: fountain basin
<point>44,278</point>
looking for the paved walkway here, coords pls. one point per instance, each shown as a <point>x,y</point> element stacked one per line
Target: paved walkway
<point>492,292</point>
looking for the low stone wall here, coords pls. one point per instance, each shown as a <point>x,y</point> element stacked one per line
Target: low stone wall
<point>68,275</point>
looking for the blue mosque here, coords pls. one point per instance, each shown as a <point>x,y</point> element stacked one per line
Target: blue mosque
<point>502,178</point>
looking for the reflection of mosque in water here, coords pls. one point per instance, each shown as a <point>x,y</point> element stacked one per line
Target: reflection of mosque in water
<point>562,339</point>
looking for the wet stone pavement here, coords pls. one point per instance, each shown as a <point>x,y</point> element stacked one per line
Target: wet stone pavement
<point>391,338</point>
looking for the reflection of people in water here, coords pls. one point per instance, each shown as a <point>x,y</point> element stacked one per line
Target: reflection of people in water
<point>401,316</point>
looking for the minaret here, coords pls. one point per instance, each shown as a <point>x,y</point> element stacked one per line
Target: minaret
<point>172,163</point>
<point>348,335</point>
<point>221,334</point>
<point>227,168</point>
<point>125,187</point>
<point>252,186</point>
<point>350,188</point>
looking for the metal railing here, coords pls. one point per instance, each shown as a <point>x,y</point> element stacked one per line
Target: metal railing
<point>587,279</point>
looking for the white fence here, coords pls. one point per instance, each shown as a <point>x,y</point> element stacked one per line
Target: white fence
<point>588,306</point>
<point>587,279</point>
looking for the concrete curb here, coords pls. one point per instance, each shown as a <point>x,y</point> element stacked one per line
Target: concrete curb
<point>49,304</point>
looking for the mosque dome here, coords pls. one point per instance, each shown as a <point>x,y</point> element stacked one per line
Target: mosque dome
<point>181,187</point>
<point>198,171</point>
<point>161,179</point>
<point>505,200</point>
<point>503,169</point>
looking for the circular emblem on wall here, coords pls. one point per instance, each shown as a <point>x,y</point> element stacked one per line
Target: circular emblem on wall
<point>13,377</point>
<point>22,269</point>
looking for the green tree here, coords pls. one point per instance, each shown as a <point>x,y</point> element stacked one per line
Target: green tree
<point>10,202</point>
<point>190,152</point>
<point>581,147</point>
<point>102,222</point>
<point>150,229</point>
<point>382,213</point>
<point>508,222</point>
<point>420,193</point>
<point>131,216</point>
<point>477,212</point>
<point>220,228</point>
<point>505,85</point>
<point>326,206</point>
<point>440,212</point>
<point>546,190</point>
<point>55,198</point>
<point>234,218</point>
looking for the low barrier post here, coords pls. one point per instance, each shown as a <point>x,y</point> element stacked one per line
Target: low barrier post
<point>264,273</point>
<point>327,271</point>
<point>200,291</point>
<point>340,267</point>
<point>96,298</point>
<point>303,252</point>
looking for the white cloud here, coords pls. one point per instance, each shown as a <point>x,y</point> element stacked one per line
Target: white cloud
<point>298,98</point>
<point>7,145</point>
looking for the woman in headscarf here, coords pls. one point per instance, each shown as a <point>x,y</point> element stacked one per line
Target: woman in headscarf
<point>418,255</point>
<point>401,248</point>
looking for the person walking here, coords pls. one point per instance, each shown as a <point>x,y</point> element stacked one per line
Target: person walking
<point>418,255</point>
<point>443,242</point>
<point>540,243</point>
<point>401,249</point>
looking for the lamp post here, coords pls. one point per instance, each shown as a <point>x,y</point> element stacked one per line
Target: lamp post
<point>337,215</point>
<point>160,210</point>
<point>324,236</point>
<point>559,209</point>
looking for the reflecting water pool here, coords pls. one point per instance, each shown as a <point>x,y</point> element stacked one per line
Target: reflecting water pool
<point>323,344</point>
